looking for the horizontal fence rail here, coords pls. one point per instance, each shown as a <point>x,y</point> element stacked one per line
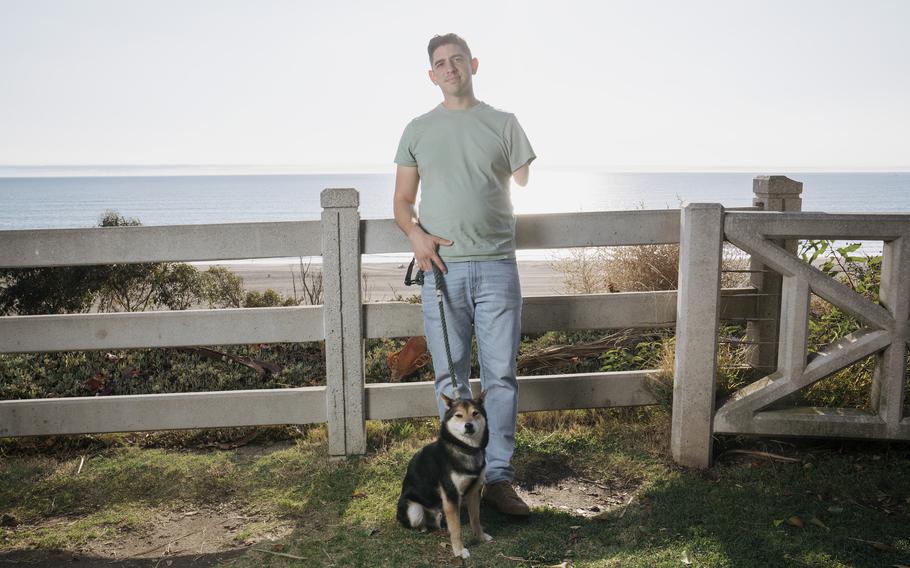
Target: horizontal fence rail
<point>301,405</point>
<point>811,225</point>
<point>544,392</point>
<point>186,243</point>
<point>642,310</point>
<point>820,422</point>
<point>554,230</point>
<point>134,413</point>
<point>183,243</point>
<point>242,326</point>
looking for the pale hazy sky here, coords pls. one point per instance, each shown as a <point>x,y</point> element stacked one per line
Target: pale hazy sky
<point>331,84</point>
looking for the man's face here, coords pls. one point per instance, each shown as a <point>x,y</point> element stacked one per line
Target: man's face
<point>452,70</point>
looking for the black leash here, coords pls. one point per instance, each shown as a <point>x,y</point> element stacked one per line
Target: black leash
<point>418,279</point>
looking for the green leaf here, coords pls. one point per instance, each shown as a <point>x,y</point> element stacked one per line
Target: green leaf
<point>818,522</point>
<point>845,250</point>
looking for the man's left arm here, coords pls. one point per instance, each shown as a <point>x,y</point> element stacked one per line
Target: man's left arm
<point>521,174</point>
<point>520,152</point>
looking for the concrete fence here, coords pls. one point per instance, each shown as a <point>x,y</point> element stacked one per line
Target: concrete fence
<point>344,322</point>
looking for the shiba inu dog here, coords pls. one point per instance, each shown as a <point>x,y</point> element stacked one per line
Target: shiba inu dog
<point>446,472</point>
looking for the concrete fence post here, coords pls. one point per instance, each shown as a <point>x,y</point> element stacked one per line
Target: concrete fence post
<point>697,311</point>
<point>343,314</point>
<point>772,193</point>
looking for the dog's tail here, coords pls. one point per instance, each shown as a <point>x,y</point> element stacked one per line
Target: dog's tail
<point>402,513</point>
<point>413,515</point>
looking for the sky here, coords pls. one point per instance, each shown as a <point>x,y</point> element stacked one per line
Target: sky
<point>623,85</point>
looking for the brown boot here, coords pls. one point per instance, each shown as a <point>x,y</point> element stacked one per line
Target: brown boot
<point>503,497</point>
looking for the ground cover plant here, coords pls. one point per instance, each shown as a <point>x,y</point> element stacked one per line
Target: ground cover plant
<point>603,489</point>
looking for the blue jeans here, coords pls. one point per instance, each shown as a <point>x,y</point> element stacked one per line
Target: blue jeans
<point>481,298</point>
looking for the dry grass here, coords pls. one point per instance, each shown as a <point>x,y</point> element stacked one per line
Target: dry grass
<point>733,370</point>
<point>638,268</point>
<point>651,268</point>
<point>620,269</point>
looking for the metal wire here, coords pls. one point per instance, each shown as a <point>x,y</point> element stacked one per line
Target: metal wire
<point>739,342</point>
<point>753,295</point>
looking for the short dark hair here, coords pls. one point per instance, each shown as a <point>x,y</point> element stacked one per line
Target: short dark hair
<point>440,40</point>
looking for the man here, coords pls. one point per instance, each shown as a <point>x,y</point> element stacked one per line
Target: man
<point>463,154</point>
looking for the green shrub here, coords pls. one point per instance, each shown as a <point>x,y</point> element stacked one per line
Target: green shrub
<point>849,387</point>
<point>267,299</point>
<point>223,288</point>
<point>152,371</point>
<point>116,287</point>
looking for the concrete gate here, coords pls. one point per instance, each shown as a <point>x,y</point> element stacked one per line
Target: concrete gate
<point>769,237</point>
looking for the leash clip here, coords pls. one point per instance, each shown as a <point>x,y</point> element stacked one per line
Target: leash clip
<point>418,279</point>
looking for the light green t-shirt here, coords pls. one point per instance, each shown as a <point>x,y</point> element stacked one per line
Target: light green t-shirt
<point>465,159</point>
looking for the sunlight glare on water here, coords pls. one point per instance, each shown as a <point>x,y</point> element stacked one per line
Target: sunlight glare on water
<point>569,191</point>
<point>559,192</point>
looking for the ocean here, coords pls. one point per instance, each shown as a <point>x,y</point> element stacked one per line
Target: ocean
<point>43,198</point>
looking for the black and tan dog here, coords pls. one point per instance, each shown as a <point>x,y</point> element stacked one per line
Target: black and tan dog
<point>447,471</point>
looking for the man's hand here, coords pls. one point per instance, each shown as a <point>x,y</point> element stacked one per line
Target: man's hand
<point>425,247</point>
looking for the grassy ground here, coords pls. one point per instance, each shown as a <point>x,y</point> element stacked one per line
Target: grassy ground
<point>838,505</point>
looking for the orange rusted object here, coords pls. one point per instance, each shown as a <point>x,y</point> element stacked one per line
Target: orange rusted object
<point>409,359</point>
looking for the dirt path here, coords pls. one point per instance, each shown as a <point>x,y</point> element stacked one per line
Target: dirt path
<point>212,535</point>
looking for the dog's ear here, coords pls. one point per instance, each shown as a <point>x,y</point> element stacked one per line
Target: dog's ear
<point>482,397</point>
<point>446,400</point>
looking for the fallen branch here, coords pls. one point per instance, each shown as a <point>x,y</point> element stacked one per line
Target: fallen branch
<point>233,444</point>
<point>564,354</point>
<point>761,454</point>
<point>153,549</point>
<point>884,547</point>
<point>594,483</point>
<point>261,367</point>
<point>284,554</point>
<point>623,512</point>
<point>515,558</point>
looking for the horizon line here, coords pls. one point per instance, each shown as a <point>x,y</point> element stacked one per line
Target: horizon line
<point>377,168</point>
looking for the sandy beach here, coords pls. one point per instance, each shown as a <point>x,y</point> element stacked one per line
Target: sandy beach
<point>383,281</point>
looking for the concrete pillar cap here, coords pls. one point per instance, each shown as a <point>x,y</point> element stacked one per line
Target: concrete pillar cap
<point>702,206</point>
<point>776,185</point>
<point>339,197</point>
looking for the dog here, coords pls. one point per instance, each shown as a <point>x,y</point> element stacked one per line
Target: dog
<point>447,472</point>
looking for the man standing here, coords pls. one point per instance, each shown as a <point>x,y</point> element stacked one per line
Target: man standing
<point>463,154</point>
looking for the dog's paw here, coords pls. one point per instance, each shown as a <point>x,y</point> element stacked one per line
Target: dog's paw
<point>485,537</point>
<point>463,553</point>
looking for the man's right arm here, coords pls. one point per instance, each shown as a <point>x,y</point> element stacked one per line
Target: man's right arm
<point>423,244</point>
